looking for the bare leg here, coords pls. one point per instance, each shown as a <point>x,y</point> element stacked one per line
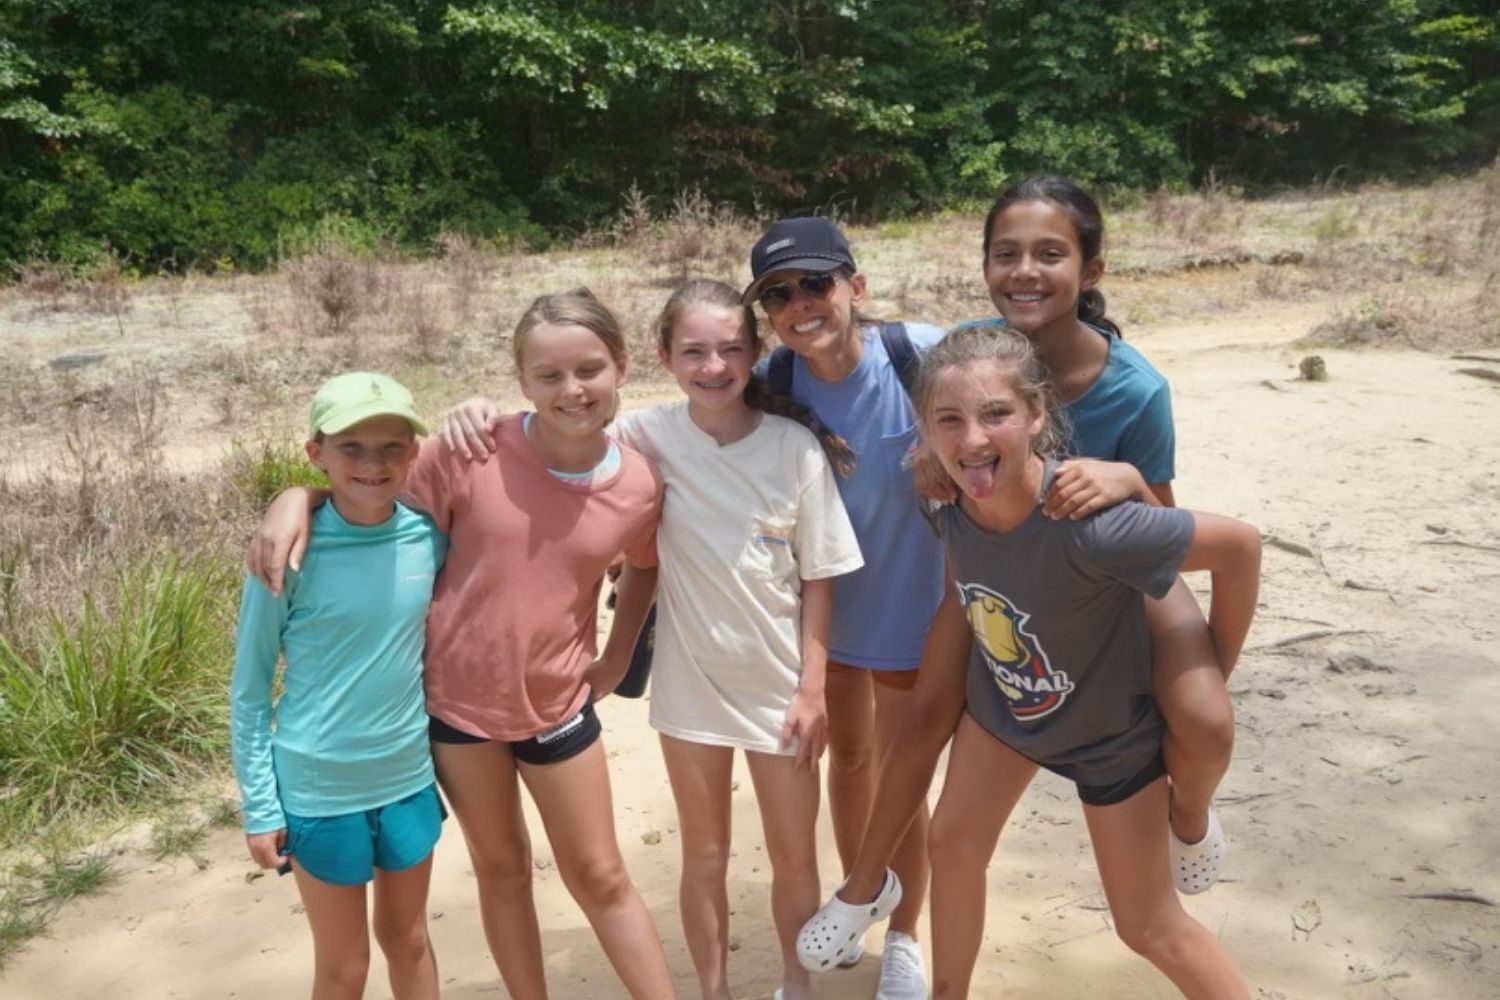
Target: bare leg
<point>985,781</point>
<point>577,811</point>
<point>1189,686</point>
<point>910,860</point>
<point>341,937</point>
<point>700,778</point>
<point>788,797</point>
<point>1130,846</point>
<point>479,780</point>
<point>401,930</point>
<point>851,758</point>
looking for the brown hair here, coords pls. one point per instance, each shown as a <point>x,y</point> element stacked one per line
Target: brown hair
<point>576,307</point>
<point>759,394</point>
<point>977,344</point>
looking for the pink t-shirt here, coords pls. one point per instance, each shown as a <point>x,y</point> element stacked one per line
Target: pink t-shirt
<point>515,607</point>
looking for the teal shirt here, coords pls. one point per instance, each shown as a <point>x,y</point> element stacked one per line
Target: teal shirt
<point>349,731</point>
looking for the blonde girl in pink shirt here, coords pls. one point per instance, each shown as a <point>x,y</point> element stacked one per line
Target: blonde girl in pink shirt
<point>510,666</point>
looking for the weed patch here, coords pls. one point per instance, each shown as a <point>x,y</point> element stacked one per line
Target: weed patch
<point>113,708</point>
<point>257,471</point>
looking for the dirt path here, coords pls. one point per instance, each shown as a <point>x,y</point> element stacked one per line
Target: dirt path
<point>1365,772</point>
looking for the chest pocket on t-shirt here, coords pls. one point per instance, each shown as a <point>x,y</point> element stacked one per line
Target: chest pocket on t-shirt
<point>767,552</point>
<point>897,452</point>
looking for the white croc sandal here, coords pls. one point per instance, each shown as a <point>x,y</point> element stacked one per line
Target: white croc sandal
<point>1196,867</point>
<point>836,932</point>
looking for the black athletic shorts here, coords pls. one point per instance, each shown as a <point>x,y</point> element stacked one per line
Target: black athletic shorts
<point>567,739</point>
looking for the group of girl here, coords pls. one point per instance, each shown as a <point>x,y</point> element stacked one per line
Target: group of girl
<point>803,581</point>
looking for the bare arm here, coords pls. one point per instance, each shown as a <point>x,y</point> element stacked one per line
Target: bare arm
<point>634,592</point>
<point>932,715</point>
<point>468,429</point>
<point>1083,486</point>
<point>807,716</point>
<point>1230,551</point>
<point>281,538</point>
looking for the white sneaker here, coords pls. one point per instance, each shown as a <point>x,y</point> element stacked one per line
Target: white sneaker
<point>902,975</point>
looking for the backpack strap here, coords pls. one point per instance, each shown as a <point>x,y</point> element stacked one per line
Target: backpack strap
<point>898,347</point>
<point>902,352</point>
<point>779,370</point>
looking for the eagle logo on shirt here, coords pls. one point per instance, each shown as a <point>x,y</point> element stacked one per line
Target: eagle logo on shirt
<point>1016,660</point>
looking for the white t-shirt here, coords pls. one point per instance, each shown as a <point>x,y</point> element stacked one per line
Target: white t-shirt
<point>742,526</point>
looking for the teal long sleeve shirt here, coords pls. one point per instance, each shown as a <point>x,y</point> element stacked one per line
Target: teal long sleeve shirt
<point>349,731</point>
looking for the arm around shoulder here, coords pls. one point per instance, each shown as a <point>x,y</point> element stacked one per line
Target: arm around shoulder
<point>280,539</point>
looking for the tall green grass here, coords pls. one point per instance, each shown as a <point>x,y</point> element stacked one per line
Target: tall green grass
<point>259,471</point>
<point>114,707</point>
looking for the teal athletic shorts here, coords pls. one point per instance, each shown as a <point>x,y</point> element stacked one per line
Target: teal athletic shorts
<point>346,850</point>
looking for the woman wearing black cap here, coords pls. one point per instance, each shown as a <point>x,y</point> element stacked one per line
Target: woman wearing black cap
<point>849,372</point>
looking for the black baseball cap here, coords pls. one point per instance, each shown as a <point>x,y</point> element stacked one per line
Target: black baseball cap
<point>803,244</point>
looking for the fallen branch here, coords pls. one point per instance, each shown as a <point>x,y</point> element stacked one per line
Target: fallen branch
<point>1301,637</point>
<point>1474,357</point>
<point>1295,548</point>
<point>1484,373</point>
<point>1452,897</point>
<point>1461,544</point>
<point>1239,800</point>
<point>1271,385</point>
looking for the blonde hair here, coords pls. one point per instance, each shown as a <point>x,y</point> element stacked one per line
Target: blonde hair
<point>759,394</point>
<point>996,344</point>
<point>576,307</point>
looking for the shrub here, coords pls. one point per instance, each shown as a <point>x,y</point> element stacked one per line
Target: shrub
<point>112,708</point>
<point>256,473</point>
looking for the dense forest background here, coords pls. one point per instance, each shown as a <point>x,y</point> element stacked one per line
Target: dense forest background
<point>211,135</point>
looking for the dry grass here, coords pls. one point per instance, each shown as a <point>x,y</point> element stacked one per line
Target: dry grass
<point>123,396</point>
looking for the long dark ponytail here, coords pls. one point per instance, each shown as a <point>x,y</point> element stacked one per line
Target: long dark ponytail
<point>1088,221</point>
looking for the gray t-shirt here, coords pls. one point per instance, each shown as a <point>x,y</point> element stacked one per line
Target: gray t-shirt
<point>1061,664</point>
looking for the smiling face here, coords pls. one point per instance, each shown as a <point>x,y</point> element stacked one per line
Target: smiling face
<point>710,356</point>
<point>366,466</point>
<point>1035,268</point>
<point>570,377</point>
<point>814,324</point>
<point>981,428</point>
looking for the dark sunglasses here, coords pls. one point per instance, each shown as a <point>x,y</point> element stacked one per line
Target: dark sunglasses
<point>778,296</point>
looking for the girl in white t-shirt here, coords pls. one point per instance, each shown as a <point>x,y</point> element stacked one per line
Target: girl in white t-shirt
<point>752,533</point>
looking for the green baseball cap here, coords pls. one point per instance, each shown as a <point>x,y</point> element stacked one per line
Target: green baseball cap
<point>347,399</point>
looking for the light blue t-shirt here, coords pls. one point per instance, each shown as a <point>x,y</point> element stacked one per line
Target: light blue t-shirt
<point>1126,415</point>
<point>350,728</point>
<point>882,611</point>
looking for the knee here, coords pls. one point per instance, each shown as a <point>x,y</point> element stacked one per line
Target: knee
<point>851,755</point>
<point>1157,939</point>
<point>705,859</point>
<point>597,882</point>
<point>1204,727</point>
<point>344,975</point>
<point>402,945</point>
<point>794,862</point>
<point>950,844</point>
<point>502,871</point>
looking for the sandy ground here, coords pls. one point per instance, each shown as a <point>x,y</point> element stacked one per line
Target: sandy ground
<point>1358,785</point>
